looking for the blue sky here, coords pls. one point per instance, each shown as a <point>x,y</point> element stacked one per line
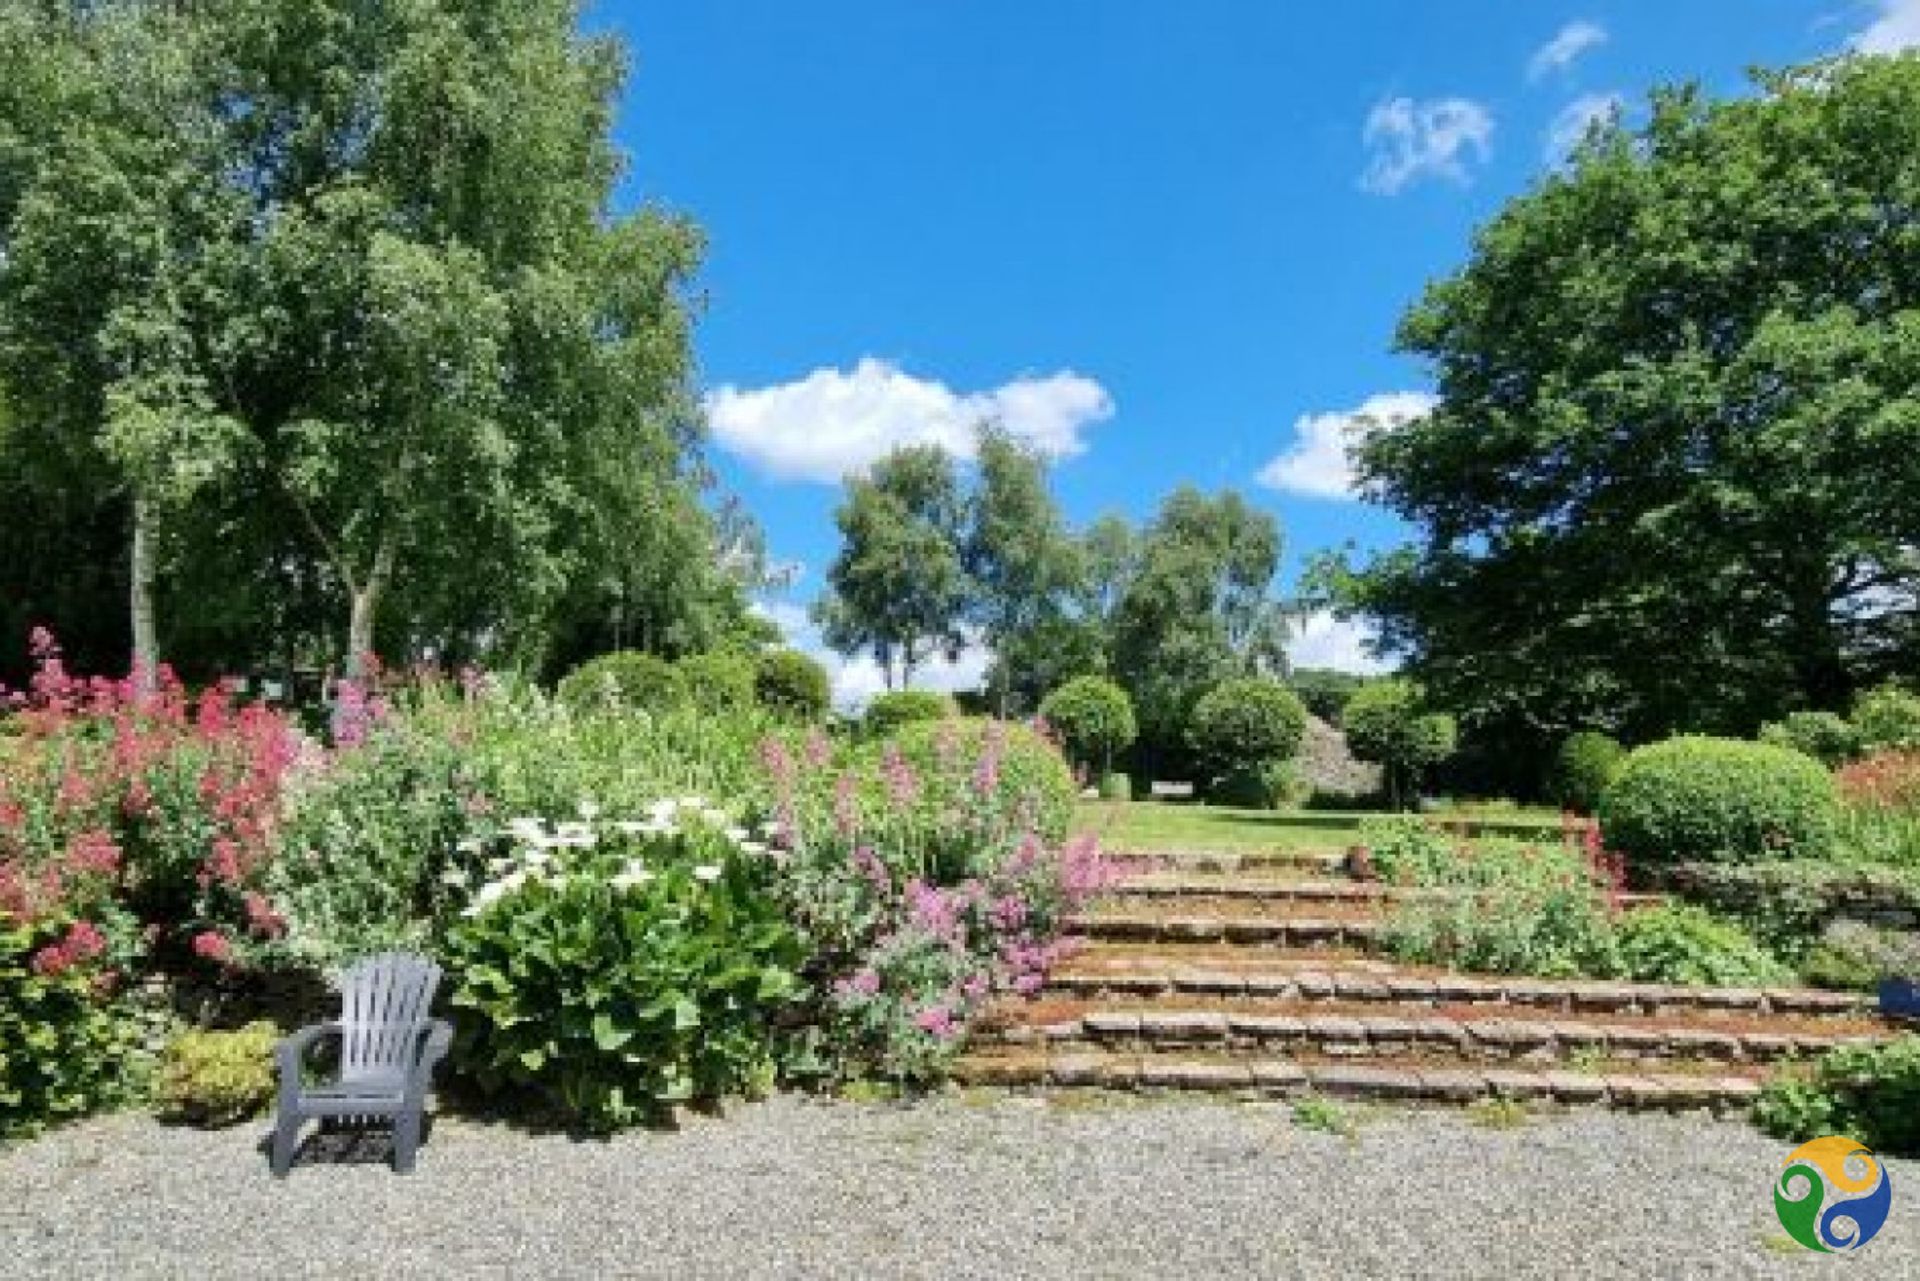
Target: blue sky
<point>1168,240</point>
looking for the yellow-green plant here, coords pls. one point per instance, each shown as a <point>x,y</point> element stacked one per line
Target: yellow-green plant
<point>217,1078</point>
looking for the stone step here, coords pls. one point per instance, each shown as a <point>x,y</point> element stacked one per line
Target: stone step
<point>1161,886</point>
<point>1125,970</point>
<point>1249,1029</point>
<point>1186,921</point>
<point>1328,861</point>
<point>1605,1083</point>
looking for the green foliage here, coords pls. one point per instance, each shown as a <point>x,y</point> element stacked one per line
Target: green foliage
<point>1683,943</point>
<point>217,1078</point>
<point>624,680</point>
<point>719,681</point>
<point>1115,786</point>
<point>624,976</point>
<point>1325,1115</point>
<point>1870,1093</point>
<point>1324,691</point>
<point>1246,724</point>
<point>1887,718</point>
<point>898,586</point>
<point>1389,722</point>
<point>1017,773</point>
<point>1719,800</point>
<point>1271,785</point>
<point>1790,904</point>
<point>1504,907</point>
<point>890,711</point>
<point>1857,954</point>
<point>64,1047</point>
<point>792,684</point>
<point>1094,718</point>
<point>1582,768</point>
<point>1603,533</point>
<point>1826,737</point>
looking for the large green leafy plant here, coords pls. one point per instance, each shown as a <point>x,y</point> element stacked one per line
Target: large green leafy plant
<point>1719,800</point>
<point>618,968</point>
<point>64,1045</point>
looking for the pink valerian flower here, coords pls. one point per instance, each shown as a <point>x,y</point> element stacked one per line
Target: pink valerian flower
<point>1084,871</point>
<point>846,805</point>
<point>83,942</point>
<point>903,785</point>
<point>946,744</point>
<point>872,869</point>
<point>1029,983</point>
<point>93,853</point>
<point>986,773</point>
<point>1009,913</point>
<point>933,910</point>
<point>937,1021</point>
<point>975,987</point>
<point>261,917</point>
<point>778,762</point>
<point>863,983</point>
<point>818,750</point>
<point>211,945</point>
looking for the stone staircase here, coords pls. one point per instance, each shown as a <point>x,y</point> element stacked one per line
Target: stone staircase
<point>1261,974</point>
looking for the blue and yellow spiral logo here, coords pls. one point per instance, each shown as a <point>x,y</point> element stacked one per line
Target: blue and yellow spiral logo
<point>1833,1196</point>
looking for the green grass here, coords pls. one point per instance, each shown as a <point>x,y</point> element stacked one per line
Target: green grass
<point>1163,825</point>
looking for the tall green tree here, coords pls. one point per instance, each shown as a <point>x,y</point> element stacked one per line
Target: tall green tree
<point>1023,562</point>
<point>898,588</point>
<point>1197,609</point>
<point>1670,480</point>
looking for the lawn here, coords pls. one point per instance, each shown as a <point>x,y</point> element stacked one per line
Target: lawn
<point>1163,825</point>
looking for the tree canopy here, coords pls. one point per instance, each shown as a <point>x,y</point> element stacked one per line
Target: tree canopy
<point>1670,481</point>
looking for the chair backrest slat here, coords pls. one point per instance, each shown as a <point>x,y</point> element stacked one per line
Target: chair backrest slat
<point>384,1001</point>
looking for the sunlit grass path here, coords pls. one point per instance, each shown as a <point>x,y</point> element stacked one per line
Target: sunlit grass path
<point>1161,825</point>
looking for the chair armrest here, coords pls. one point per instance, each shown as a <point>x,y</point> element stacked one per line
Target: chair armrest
<point>292,1050</point>
<point>439,1037</point>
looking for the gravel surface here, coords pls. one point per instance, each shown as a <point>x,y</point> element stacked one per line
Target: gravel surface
<point>964,1186</point>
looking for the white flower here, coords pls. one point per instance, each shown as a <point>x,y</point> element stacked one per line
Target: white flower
<point>753,847</point>
<point>707,872</point>
<point>527,828</point>
<point>691,802</point>
<point>631,875</point>
<point>770,828</point>
<point>736,834</point>
<point>537,858</point>
<point>472,845</point>
<point>589,810</point>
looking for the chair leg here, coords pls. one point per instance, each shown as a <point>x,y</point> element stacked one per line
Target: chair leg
<point>406,1140</point>
<point>286,1140</point>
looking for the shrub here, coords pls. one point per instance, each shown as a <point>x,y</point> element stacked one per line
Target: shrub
<point>792,684</point>
<point>1582,768</point>
<point>1789,904</point>
<point>718,682</point>
<point>623,680</point>
<point>1682,943</point>
<point>1504,907</point>
<point>1245,724</point>
<point>1719,800</point>
<point>1887,718</point>
<point>1824,736</point>
<point>1389,723</point>
<point>1857,954</point>
<point>1870,1093</point>
<point>1011,773</point>
<point>64,1043</point>
<point>889,711</point>
<point>619,968</point>
<point>217,1078</point>
<point>1094,718</point>
<point>1115,786</point>
<point>1274,785</point>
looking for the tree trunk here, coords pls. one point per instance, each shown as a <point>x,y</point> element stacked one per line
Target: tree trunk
<point>141,575</point>
<point>364,606</point>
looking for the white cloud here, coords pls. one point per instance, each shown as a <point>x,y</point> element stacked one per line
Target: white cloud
<point>835,422</point>
<point>1569,128</point>
<point>1564,49</point>
<point>1317,464</point>
<point>1325,641</point>
<point>1409,140</point>
<point>856,680</point>
<point>1897,28</point>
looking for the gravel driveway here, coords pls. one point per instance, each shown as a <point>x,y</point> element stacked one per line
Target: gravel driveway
<point>964,1186</point>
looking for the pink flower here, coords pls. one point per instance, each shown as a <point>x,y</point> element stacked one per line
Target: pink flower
<point>261,917</point>
<point>51,961</point>
<point>866,982</point>
<point>875,872</point>
<point>213,946</point>
<point>936,1020</point>
<point>819,750</point>
<point>903,785</point>
<point>1028,984</point>
<point>85,942</point>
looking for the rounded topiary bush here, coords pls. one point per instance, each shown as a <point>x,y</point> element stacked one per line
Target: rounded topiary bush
<point>1241,725</point>
<point>792,684</point>
<point>1271,785</point>
<point>718,682</point>
<point>1824,736</point>
<point>1094,719</point>
<point>1027,774</point>
<point>1582,768</point>
<point>889,711</point>
<point>1887,717</point>
<point>1718,800</point>
<point>621,680</point>
<point>1116,786</point>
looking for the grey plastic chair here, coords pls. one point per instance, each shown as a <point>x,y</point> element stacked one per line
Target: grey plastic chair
<point>389,1047</point>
